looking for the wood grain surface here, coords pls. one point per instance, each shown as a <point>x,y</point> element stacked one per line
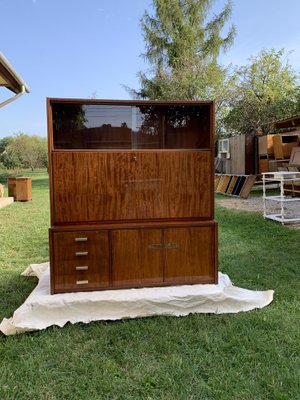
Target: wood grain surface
<point>124,186</point>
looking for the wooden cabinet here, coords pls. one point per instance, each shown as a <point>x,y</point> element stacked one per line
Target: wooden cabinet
<point>20,188</point>
<point>131,186</point>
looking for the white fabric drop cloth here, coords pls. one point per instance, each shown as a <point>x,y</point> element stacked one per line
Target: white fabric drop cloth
<point>41,309</point>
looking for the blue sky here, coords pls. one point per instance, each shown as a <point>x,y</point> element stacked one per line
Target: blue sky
<point>87,48</point>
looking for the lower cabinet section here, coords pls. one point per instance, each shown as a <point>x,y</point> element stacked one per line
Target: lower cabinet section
<point>132,257</point>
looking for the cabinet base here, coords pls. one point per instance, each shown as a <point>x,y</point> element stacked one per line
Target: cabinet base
<point>132,257</point>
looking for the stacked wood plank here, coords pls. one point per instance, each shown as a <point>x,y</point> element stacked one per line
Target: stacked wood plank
<point>274,150</point>
<point>265,152</point>
<point>283,145</point>
<point>234,185</point>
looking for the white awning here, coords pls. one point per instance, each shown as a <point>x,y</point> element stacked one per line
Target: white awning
<point>11,80</point>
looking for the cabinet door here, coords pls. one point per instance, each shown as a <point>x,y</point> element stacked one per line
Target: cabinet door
<point>190,255</point>
<point>137,257</point>
<point>140,185</point>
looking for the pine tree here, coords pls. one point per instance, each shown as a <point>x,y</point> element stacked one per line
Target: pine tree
<point>182,48</point>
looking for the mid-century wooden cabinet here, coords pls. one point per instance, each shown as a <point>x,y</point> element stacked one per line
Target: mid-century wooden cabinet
<point>131,189</point>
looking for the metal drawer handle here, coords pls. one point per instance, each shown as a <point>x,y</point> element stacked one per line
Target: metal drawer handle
<point>171,246</point>
<point>159,246</point>
<point>156,246</point>
<point>82,282</point>
<point>81,239</point>
<point>82,268</point>
<point>81,253</point>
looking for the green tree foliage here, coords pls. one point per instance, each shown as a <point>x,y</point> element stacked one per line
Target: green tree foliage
<point>5,159</point>
<point>24,151</point>
<point>4,142</point>
<point>265,90</point>
<point>182,48</point>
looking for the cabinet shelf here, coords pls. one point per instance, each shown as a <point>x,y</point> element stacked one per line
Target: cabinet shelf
<point>280,199</point>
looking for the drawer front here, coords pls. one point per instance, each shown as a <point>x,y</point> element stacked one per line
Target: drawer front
<point>81,266</point>
<point>80,246</point>
<point>80,253</point>
<point>79,282</point>
<point>77,237</point>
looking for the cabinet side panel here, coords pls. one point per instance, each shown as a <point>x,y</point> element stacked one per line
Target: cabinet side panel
<point>124,186</point>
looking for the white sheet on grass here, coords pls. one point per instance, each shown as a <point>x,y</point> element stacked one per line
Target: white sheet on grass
<point>41,309</point>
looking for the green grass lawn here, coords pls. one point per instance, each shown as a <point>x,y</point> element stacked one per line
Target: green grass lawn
<point>246,356</point>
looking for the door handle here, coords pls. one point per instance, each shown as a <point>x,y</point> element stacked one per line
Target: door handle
<point>82,268</point>
<point>81,253</point>
<point>171,246</point>
<point>156,246</point>
<point>81,239</point>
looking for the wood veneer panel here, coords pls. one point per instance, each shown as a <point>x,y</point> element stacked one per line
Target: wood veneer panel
<point>67,255</point>
<point>232,184</point>
<point>96,247</point>
<point>187,184</point>
<point>216,181</point>
<point>295,156</point>
<point>245,191</point>
<point>224,183</point>
<point>112,186</point>
<point>20,188</point>
<point>265,145</point>
<point>190,255</point>
<point>284,144</point>
<point>79,282</point>
<point>137,258</point>
<point>80,266</point>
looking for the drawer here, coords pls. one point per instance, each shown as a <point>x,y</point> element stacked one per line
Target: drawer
<point>80,245</point>
<point>81,266</point>
<point>79,282</point>
<point>77,237</point>
<point>77,253</point>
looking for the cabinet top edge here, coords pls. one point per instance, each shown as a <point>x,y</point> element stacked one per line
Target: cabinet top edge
<point>51,100</point>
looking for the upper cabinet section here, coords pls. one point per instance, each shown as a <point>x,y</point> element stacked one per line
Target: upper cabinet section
<point>118,125</point>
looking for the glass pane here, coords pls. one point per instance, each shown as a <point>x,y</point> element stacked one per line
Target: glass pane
<point>94,126</point>
<point>187,127</point>
<point>91,126</point>
<point>149,127</point>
